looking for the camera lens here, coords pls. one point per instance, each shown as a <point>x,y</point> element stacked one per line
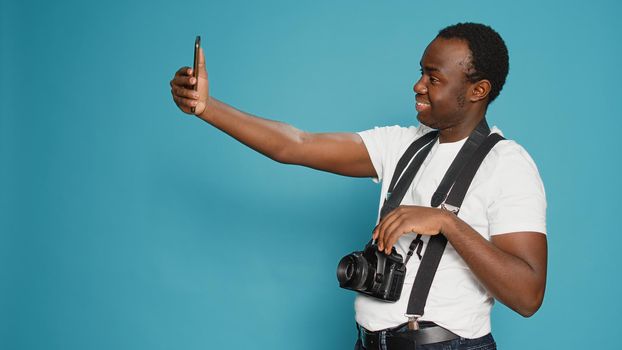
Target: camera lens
<point>349,271</point>
<point>352,271</point>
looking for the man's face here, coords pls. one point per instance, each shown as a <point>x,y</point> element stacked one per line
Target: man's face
<point>441,92</point>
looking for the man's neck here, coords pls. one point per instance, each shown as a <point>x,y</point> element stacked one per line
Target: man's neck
<point>462,130</point>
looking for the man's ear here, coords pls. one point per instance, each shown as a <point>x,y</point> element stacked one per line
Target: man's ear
<point>480,90</point>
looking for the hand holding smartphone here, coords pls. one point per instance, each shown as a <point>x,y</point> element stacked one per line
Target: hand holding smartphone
<point>195,66</point>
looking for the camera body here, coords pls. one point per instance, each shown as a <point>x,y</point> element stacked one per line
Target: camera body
<point>373,272</point>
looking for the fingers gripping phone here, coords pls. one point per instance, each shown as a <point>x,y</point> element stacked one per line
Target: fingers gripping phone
<point>195,66</point>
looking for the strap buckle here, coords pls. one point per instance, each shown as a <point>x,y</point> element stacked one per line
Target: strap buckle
<point>413,322</point>
<point>450,208</point>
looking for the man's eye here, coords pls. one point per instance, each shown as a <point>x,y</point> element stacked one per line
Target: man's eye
<point>434,80</point>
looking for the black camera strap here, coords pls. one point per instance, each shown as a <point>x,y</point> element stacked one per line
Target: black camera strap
<point>419,149</point>
<point>436,244</point>
<point>450,193</point>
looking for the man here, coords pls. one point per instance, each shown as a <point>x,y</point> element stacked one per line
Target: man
<point>496,246</point>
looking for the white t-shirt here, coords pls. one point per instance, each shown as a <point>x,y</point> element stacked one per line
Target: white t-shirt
<point>506,195</point>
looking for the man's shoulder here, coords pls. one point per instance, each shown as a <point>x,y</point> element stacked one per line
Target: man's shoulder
<point>510,159</point>
<point>386,144</point>
<point>508,148</point>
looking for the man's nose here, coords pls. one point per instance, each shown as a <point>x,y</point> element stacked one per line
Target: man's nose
<point>419,87</point>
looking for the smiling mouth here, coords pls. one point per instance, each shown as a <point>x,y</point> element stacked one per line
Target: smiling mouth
<point>420,106</point>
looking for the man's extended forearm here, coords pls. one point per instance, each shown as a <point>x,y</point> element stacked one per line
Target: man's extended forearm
<point>269,137</point>
<point>518,282</point>
<point>339,153</point>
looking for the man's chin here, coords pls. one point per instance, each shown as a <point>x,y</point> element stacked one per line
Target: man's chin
<point>423,121</point>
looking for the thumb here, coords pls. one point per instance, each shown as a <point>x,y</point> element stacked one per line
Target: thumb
<point>202,70</point>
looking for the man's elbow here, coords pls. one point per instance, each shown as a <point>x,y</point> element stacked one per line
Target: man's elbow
<point>527,312</point>
<point>291,152</point>
<point>285,155</point>
<point>531,305</point>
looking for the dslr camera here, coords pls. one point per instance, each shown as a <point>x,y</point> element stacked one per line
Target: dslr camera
<point>373,272</point>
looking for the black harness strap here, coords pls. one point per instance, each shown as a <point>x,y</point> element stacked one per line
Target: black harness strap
<point>398,189</point>
<point>476,138</point>
<point>451,191</point>
<point>408,155</point>
<point>459,190</point>
<point>436,244</point>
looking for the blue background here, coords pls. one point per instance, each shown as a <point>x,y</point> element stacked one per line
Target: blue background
<point>126,224</point>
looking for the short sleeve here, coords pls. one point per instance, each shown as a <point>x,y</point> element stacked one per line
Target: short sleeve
<point>518,202</point>
<point>386,144</point>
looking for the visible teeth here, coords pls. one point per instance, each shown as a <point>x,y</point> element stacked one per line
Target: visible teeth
<point>423,104</point>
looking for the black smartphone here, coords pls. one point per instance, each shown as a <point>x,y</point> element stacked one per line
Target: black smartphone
<point>195,66</point>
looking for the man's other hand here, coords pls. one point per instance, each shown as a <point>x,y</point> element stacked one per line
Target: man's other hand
<point>407,219</point>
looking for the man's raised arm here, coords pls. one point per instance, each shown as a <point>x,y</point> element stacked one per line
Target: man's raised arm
<point>340,153</point>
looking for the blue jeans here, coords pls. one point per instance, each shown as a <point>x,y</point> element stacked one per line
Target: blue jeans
<point>486,342</point>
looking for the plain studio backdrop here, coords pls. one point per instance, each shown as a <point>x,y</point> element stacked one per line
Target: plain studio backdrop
<point>125,224</point>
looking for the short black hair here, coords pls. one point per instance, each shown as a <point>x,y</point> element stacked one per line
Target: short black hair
<point>489,55</point>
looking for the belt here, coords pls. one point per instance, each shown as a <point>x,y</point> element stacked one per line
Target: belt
<point>401,337</point>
